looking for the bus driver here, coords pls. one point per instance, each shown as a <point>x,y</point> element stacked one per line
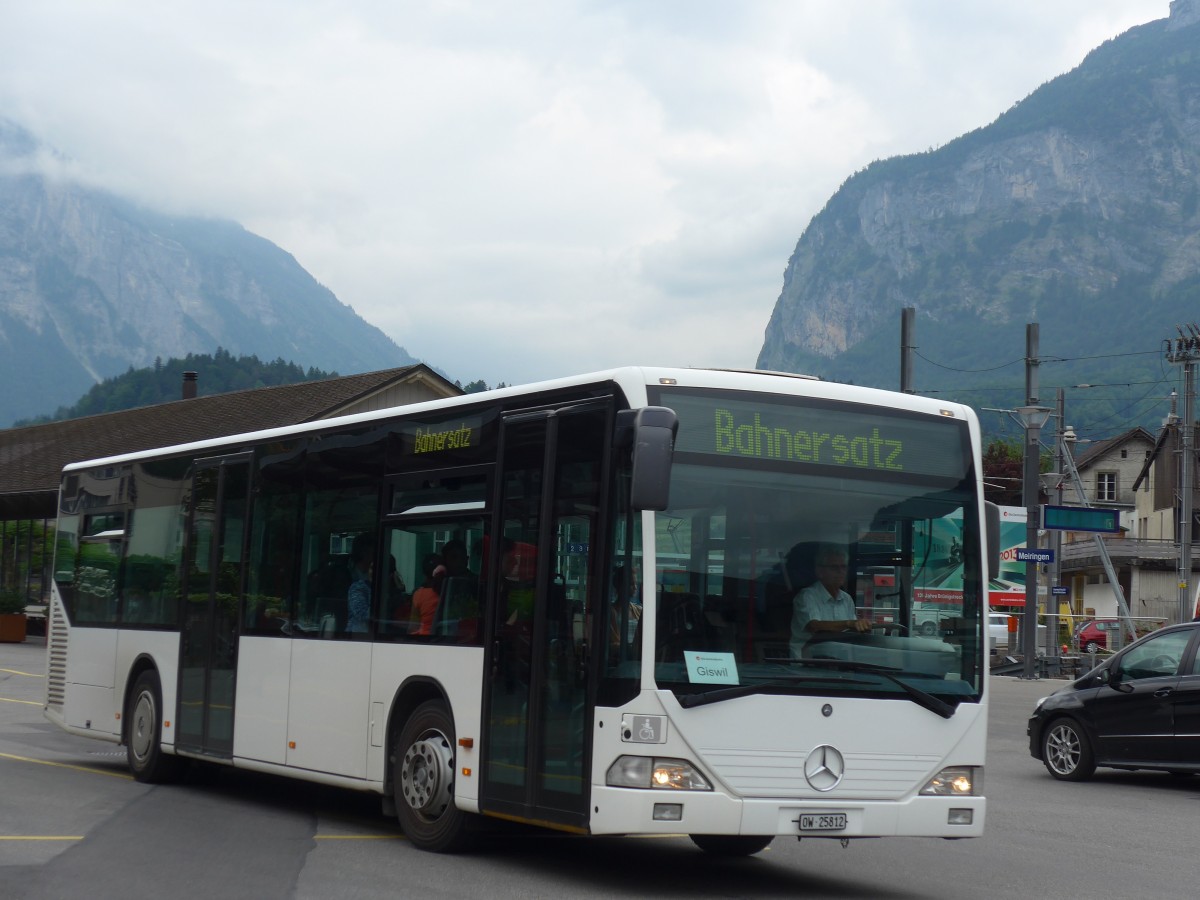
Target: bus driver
<point>823,605</point>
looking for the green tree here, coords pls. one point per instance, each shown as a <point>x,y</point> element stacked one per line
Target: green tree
<point>1003,468</point>
<point>219,373</point>
<point>1004,471</point>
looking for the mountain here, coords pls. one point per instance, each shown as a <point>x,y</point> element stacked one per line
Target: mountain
<point>1078,209</point>
<point>219,373</point>
<point>91,285</point>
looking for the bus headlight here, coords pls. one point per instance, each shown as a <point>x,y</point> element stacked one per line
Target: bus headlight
<point>955,781</point>
<point>661,774</point>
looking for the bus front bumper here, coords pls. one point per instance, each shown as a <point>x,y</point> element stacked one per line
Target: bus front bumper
<point>633,811</point>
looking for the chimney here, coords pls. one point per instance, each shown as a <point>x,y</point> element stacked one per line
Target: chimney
<point>189,385</point>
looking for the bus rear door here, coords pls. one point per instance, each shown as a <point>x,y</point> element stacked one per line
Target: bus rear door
<point>215,562</point>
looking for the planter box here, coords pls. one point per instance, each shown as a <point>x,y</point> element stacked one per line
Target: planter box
<point>12,628</point>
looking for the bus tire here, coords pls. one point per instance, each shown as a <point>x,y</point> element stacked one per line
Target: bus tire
<point>143,734</point>
<point>423,782</point>
<point>731,844</point>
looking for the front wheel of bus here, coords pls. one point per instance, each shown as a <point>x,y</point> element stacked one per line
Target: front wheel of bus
<point>731,844</point>
<point>143,723</point>
<point>423,781</point>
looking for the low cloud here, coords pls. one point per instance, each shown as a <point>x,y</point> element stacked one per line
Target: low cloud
<point>516,191</point>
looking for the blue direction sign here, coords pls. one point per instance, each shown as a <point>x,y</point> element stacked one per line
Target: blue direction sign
<point>1059,590</point>
<point>1081,518</point>
<point>1024,554</point>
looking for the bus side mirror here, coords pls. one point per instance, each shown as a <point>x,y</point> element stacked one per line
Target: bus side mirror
<point>654,430</point>
<point>992,522</point>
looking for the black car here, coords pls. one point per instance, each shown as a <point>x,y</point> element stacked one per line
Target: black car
<point>1138,710</point>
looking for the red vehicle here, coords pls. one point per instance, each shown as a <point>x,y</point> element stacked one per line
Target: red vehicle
<point>1093,634</point>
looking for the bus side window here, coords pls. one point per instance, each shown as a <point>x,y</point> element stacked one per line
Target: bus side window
<point>334,520</point>
<point>433,594</point>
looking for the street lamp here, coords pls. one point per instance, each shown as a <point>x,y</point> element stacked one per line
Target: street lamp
<point>1032,419</point>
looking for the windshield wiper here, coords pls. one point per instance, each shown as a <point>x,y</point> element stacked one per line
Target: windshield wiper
<point>687,701</point>
<point>922,698</point>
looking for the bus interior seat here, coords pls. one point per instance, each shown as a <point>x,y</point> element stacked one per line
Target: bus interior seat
<point>791,575</point>
<point>328,627</point>
<point>331,614</point>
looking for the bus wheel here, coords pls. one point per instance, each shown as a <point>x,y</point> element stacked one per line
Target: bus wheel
<point>731,844</point>
<point>143,726</point>
<point>424,782</point>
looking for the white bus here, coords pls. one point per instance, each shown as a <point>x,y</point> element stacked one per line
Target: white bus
<point>567,604</point>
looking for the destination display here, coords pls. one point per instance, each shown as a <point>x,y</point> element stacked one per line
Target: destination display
<point>461,439</point>
<point>1081,518</point>
<point>864,438</point>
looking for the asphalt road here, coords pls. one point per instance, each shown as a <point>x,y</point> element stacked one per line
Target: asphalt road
<point>74,824</point>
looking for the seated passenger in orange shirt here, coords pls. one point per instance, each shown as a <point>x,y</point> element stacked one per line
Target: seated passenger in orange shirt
<point>426,598</point>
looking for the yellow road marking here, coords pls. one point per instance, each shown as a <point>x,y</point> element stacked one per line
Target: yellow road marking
<point>11,700</point>
<point>358,837</point>
<point>41,837</point>
<point>46,762</point>
<point>18,672</point>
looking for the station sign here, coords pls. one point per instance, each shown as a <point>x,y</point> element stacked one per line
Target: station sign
<point>1024,554</point>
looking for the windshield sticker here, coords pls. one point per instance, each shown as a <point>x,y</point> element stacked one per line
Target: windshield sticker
<point>711,668</point>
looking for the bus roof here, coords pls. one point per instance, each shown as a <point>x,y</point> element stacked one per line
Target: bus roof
<point>633,380</point>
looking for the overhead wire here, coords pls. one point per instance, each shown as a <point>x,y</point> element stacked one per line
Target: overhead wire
<point>1124,414</point>
<point>955,369</point>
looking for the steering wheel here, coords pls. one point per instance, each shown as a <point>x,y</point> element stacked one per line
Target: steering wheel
<point>1164,664</point>
<point>890,628</point>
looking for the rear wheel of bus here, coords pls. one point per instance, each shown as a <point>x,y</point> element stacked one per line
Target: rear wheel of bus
<point>423,781</point>
<point>143,723</point>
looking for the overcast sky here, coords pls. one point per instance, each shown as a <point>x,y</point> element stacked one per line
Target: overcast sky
<point>517,191</point>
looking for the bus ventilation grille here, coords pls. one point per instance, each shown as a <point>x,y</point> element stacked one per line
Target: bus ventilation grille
<point>56,667</point>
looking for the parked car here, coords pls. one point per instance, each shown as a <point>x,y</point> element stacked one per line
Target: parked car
<point>927,620</point>
<point>998,630</point>
<point>1139,709</point>
<point>1092,635</point>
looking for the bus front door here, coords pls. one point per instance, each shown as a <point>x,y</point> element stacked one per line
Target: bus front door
<point>535,753</point>
<point>211,597</point>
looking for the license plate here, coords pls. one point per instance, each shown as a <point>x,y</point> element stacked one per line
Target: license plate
<point>823,822</point>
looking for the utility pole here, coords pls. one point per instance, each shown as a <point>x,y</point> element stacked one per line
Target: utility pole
<point>1033,417</point>
<point>1060,466</point>
<point>1185,352</point>
<point>908,326</point>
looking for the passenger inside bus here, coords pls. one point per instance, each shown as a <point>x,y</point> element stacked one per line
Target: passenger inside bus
<point>425,599</point>
<point>458,608</point>
<point>518,561</point>
<point>625,610</point>
<point>358,597</point>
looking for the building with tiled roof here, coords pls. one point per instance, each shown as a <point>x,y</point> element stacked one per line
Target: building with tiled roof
<point>32,458</point>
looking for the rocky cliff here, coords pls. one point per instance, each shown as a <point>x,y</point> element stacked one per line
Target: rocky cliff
<point>91,285</point>
<point>1079,208</point>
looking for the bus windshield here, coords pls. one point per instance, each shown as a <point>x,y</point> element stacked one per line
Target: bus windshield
<point>758,542</point>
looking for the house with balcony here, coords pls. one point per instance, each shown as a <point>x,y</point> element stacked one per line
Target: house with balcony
<point>1131,473</point>
<point>1159,516</point>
